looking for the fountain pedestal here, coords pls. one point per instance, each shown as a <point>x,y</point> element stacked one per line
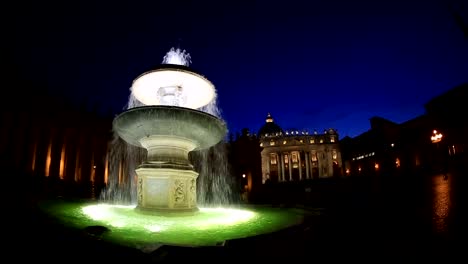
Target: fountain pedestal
<point>166,190</point>
<point>167,181</point>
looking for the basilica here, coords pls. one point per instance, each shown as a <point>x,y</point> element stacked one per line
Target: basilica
<point>298,155</point>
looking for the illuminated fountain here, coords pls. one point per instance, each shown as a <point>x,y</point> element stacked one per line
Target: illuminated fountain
<point>169,126</point>
<point>171,112</point>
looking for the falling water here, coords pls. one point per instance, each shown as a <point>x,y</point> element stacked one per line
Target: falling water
<point>123,160</point>
<point>215,183</point>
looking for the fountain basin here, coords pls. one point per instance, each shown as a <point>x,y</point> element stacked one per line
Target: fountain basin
<point>171,84</point>
<point>188,125</point>
<point>207,227</point>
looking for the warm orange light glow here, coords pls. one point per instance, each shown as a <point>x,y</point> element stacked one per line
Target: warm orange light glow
<point>120,172</point>
<point>397,162</point>
<point>93,174</point>
<point>62,162</point>
<point>48,160</point>
<point>376,166</point>
<point>436,137</point>
<point>243,175</point>
<point>33,165</point>
<point>77,167</point>
<point>106,169</point>
<point>347,171</point>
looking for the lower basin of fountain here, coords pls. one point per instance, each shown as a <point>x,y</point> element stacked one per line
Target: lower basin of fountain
<point>128,227</point>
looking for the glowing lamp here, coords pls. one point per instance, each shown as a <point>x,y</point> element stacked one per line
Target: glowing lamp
<point>436,137</point>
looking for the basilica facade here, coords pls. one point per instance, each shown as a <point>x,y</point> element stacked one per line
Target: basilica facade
<point>298,155</point>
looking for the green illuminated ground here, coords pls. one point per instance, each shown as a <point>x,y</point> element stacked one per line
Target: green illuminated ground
<point>209,226</point>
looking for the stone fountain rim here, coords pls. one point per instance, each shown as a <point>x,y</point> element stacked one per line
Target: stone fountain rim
<point>116,126</point>
<point>178,108</point>
<point>173,67</point>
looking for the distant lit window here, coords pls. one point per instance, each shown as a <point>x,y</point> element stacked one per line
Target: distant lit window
<point>294,157</point>
<point>302,141</point>
<point>273,158</point>
<point>321,140</point>
<point>313,156</point>
<point>261,144</point>
<point>334,154</point>
<point>286,158</point>
<point>332,139</point>
<point>284,142</point>
<point>272,143</point>
<point>312,141</point>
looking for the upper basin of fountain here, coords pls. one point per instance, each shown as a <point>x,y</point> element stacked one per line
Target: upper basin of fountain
<point>171,84</point>
<point>140,122</point>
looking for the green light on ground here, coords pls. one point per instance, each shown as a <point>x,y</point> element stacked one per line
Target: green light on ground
<point>207,227</point>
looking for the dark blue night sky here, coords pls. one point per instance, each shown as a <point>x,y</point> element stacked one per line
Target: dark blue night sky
<point>311,64</point>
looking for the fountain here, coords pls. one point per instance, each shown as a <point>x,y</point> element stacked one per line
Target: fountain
<point>169,126</point>
<point>171,113</point>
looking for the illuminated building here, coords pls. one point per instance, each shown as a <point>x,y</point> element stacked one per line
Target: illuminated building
<point>426,144</point>
<point>291,156</point>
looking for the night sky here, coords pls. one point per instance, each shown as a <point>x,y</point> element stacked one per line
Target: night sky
<point>311,64</point>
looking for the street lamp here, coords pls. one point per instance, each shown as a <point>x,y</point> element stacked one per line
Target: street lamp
<point>436,136</point>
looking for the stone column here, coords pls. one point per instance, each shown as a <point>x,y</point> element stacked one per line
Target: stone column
<point>300,165</point>
<point>281,162</point>
<point>330,162</point>
<point>268,166</point>
<point>307,161</point>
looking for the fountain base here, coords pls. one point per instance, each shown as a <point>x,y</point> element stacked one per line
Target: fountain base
<point>166,190</point>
